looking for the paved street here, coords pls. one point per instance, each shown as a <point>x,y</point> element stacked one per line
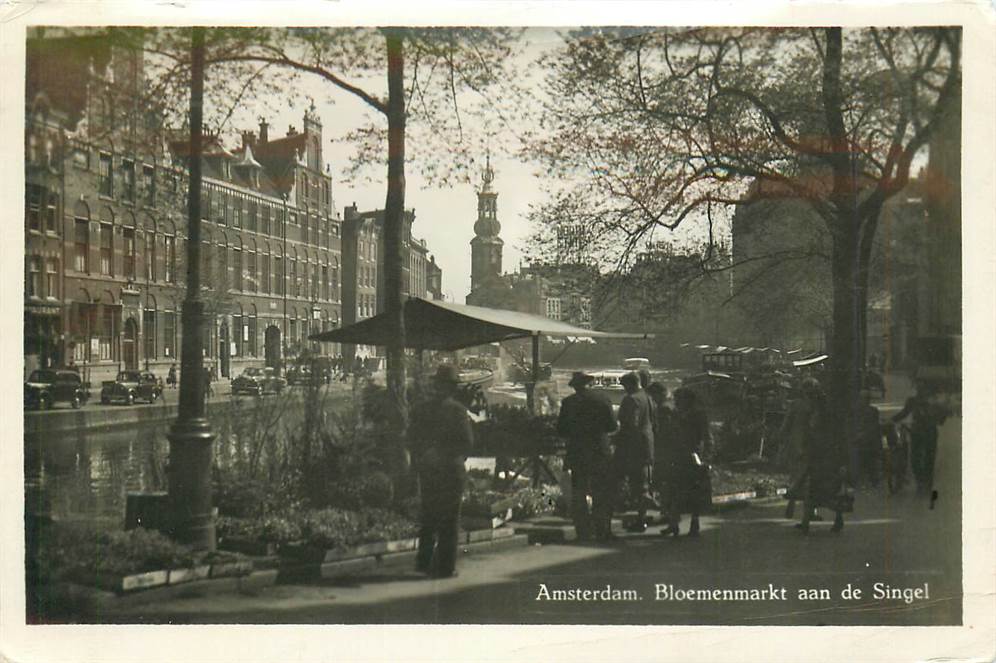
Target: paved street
<point>895,540</point>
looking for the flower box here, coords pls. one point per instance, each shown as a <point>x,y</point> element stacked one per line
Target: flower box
<point>120,583</point>
<point>247,546</point>
<point>199,572</point>
<point>229,569</point>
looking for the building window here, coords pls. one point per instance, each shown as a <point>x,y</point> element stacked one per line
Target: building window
<point>553,308</point>
<point>52,278</point>
<point>251,270</point>
<point>295,284</point>
<point>105,182</point>
<point>149,332</point>
<point>314,282</point>
<point>34,195</point>
<point>335,282</point>
<point>205,204</point>
<point>107,249</point>
<point>129,253</point>
<point>149,185</point>
<point>108,334</point>
<point>237,268</point>
<point>169,258</point>
<point>128,178</point>
<point>265,226</point>
<point>252,335</point>
<point>32,286</point>
<point>81,235</point>
<point>325,282</point>
<point>293,219</point>
<point>278,275</point>
<point>237,216</point>
<point>252,215</point>
<point>149,257</point>
<point>222,207</point>
<point>169,334</point>
<point>264,272</point>
<point>52,213</point>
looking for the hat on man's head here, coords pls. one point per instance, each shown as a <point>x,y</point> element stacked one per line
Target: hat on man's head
<point>657,389</point>
<point>446,374</point>
<point>580,379</point>
<point>630,379</point>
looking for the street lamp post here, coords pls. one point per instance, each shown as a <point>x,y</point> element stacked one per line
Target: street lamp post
<point>283,278</point>
<point>190,436</point>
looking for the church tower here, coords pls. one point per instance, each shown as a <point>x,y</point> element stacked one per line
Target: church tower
<point>485,248</point>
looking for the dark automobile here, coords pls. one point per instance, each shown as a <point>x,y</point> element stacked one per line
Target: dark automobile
<point>299,375</point>
<point>46,387</point>
<point>131,386</point>
<point>258,381</point>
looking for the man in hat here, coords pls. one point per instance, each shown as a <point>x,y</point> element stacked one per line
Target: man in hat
<point>586,420</point>
<point>635,446</point>
<point>441,438</point>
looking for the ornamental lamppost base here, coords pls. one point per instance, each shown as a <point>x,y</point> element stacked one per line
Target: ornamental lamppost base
<point>189,472</point>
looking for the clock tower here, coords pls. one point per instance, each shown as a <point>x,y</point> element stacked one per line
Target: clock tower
<point>486,247</point>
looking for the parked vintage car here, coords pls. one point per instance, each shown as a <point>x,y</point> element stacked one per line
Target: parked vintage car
<point>301,375</point>
<point>46,387</point>
<point>258,381</point>
<point>131,386</point>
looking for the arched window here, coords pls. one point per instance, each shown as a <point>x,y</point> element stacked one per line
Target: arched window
<point>149,249</point>
<point>237,263</point>
<point>130,248</point>
<point>149,328</point>
<point>252,346</point>
<point>224,278</point>
<point>169,252</point>
<point>264,268</point>
<point>278,271</point>
<point>251,275</point>
<point>295,285</point>
<point>335,279</point>
<point>106,242</point>
<point>81,238</point>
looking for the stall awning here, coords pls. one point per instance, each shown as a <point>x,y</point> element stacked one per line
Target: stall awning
<point>435,325</point>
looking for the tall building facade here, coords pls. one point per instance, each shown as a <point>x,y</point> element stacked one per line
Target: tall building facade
<point>105,219</point>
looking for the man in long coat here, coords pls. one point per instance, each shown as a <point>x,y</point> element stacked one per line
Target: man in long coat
<point>441,438</point>
<point>585,420</point>
<point>635,446</point>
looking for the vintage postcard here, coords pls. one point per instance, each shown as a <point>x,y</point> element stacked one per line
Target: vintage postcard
<point>542,330</point>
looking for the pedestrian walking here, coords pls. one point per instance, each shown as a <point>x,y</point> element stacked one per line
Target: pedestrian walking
<point>926,416</point>
<point>687,479</point>
<point>634,457</point>
<point>826,465</point>
<point>792,454</point>
<point>441,438</point>
<point>585,420</point>
<point>662,433</point>
<point>208,391</point>
<point>171,377</point>
<point>867,466</point>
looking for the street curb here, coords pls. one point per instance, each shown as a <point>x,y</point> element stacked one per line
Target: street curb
<point>72,598</point>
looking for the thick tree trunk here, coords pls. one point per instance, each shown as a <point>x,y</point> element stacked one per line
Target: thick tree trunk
<point>394,209</point>
<point>845,340</point>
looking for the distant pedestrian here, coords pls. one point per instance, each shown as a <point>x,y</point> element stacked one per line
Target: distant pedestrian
<point>208,391</point>
<point>927,417</point>
<point>585,421</point>
<point>688,484</point>
<point>171,377</point>
<point>634,456</point>
<point>441,439</point>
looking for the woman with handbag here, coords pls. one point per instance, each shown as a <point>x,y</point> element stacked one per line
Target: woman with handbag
<point>689,488</point>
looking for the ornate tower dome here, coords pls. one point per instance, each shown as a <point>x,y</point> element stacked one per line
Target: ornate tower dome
<point>486,247</point>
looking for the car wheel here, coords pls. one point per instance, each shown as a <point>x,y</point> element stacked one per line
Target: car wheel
<point>131,398</point>
<point>76,402</point>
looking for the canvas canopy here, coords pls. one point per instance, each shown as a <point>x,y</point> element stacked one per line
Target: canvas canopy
<point>434,325</point>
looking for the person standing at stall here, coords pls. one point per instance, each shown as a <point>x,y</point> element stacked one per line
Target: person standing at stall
<point>662,433</point>
<point>441,438</point>
<point>634,458</point>
<point>688,484</point>
<point>585,421</point>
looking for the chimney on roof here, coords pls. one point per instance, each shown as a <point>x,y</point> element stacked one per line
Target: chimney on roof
<point>264,133</point>
<point>291,131</point>
<point>248,139</point>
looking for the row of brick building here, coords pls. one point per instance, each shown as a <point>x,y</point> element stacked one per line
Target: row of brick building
<point>105,220</point>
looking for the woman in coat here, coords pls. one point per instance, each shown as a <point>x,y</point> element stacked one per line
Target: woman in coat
<point>826,466</point>
<point>687,475</point>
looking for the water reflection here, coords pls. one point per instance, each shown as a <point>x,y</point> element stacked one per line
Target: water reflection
<point>87,474</point>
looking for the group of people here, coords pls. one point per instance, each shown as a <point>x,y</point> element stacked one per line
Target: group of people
<point>647,446</point>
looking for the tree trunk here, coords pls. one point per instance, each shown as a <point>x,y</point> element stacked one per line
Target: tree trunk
<point>394,210</point>
<point>845,339</point>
